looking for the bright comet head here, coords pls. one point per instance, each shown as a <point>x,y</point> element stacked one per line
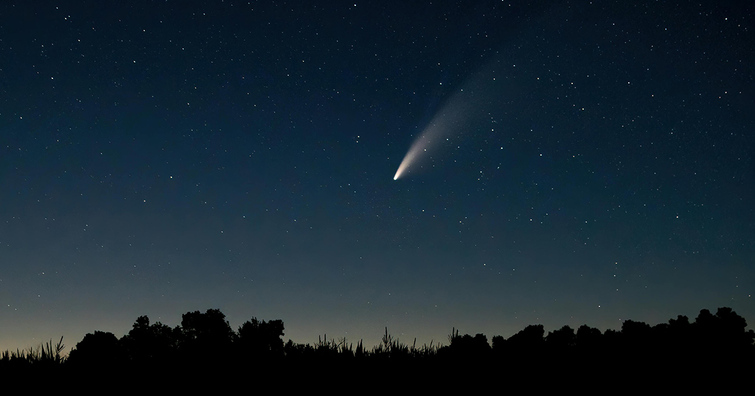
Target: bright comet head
<point>408,159</point>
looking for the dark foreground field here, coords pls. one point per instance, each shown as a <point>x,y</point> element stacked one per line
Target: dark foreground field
<point>714,352</point>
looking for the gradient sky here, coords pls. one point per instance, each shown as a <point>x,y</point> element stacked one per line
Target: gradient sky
<point>160,157</point>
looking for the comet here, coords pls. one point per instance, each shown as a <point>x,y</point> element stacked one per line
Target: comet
<point>431,137</point>
<point>465,107</point>
<point>419,146</point>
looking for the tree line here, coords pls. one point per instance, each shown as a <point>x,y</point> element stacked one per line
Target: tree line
<point>205,344</point>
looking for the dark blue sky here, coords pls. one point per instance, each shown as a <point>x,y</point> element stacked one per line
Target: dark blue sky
<point>160,157</point>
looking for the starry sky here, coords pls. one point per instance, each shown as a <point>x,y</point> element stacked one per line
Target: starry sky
<point>160,157</point>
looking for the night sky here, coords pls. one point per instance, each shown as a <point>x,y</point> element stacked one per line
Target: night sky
<point>594,163</point>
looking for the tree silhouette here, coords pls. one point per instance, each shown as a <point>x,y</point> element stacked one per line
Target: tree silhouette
<point>635,336</point>
<point>260,339</point>
<point>561,339</point>
<point>206,337</point>
<point>151,344</point>
<point>588,339</point>
<point>523,352</point>
<point>469,348</point>
<point>733,331</point>
<point>97,350</point>
<point>529,340</point>
<point>722,334</point>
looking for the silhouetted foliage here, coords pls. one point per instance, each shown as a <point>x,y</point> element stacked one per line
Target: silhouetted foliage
<point>468,347</point>
<point>588,339</point>
<point>206,337</point>
<point>498,342</point>
<point>635,337</point>
<point>205,346</point>
<point>527,341</point>
<point>99,349</point>
<point>722,334</point>
<point>152,344</point>
<point>260,339</point>
<point>561,339</point>
<point>45,356</point>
